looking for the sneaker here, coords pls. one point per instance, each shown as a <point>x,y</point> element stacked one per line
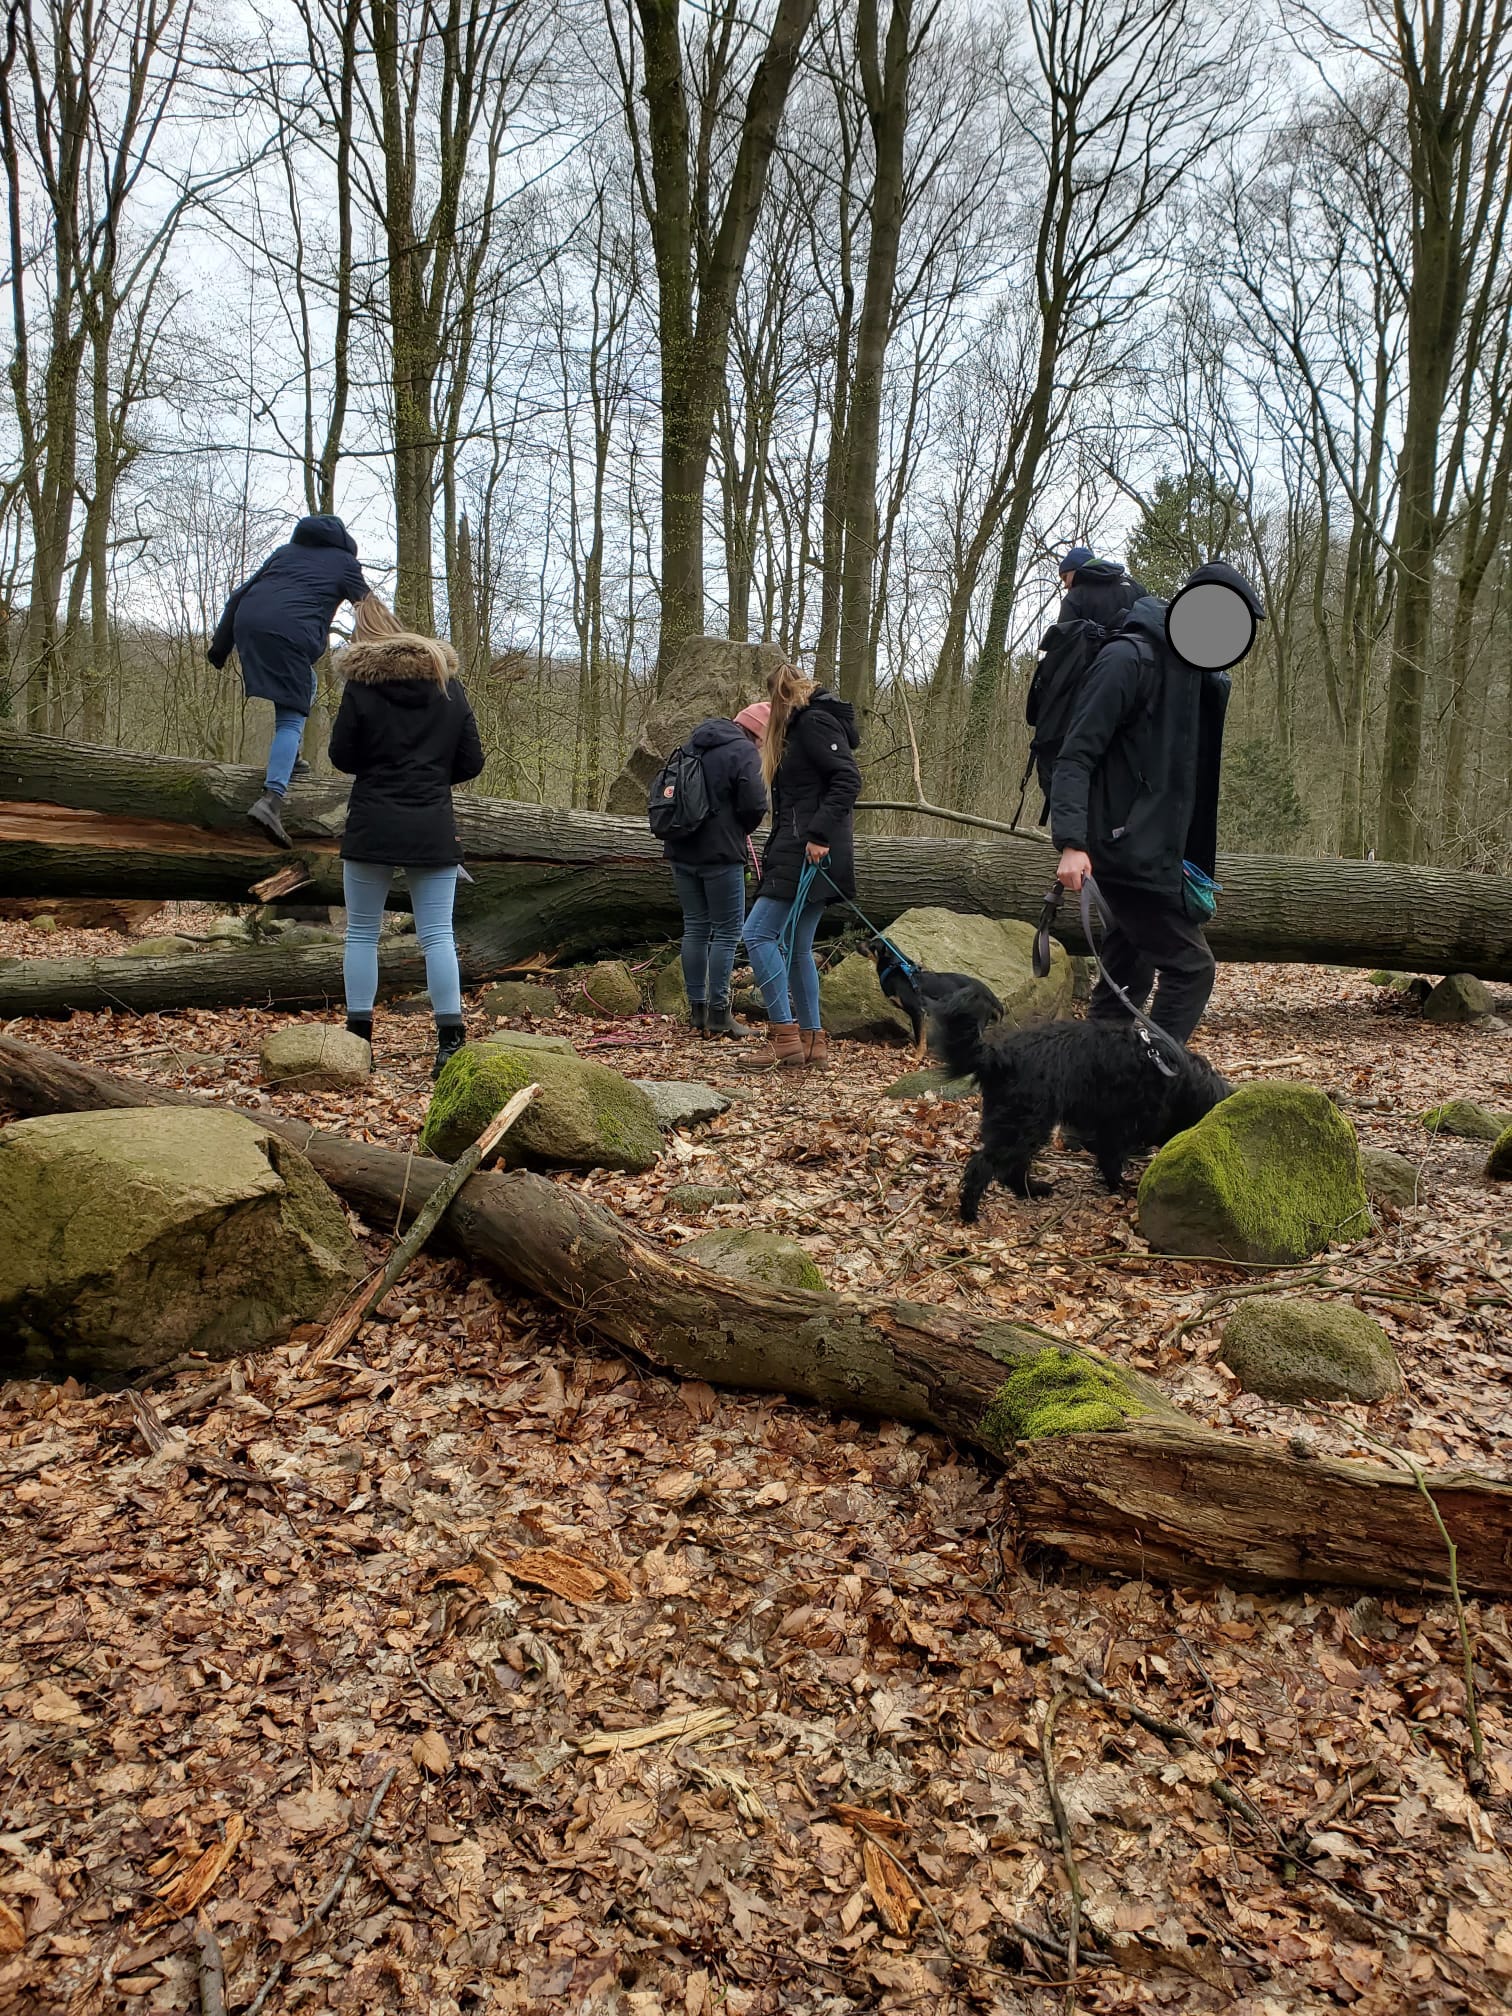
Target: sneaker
<point>267,814</point>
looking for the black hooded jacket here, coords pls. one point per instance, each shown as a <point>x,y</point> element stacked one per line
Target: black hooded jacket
<point>817,784</point>
<point>280,620</point>
<point>1100,592</point>
<point>1136,781</point>
<point>737,797</point>
<point>405,739</point>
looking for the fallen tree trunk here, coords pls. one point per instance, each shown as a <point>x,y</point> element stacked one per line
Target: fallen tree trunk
<point>1157,1495</point>
<point>267,976</point>
<point>81,821</point>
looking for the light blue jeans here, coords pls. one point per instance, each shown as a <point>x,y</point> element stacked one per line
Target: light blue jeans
<point>432,890</point>
<point>774,976</point>
<point>283,750</point>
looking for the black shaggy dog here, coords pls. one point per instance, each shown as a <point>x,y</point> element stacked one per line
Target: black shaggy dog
<point>1096,1080</point>
<point>920,993</point>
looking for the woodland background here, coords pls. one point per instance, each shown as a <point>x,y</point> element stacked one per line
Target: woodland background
<point>828,320</point>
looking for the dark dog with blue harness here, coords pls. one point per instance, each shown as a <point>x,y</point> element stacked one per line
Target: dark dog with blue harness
<point>920,993</point>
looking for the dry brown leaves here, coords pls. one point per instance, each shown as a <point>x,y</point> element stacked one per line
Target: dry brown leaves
<point>713,1705</point>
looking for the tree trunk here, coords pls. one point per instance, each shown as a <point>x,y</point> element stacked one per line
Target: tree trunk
<point>102,822</point>
<point>1160,1495</point>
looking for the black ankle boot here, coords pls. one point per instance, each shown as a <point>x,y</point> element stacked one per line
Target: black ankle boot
<point>696,1016</point>
<point>360,1025</point>
<point>450,1036</point>
<point>720,1022</point>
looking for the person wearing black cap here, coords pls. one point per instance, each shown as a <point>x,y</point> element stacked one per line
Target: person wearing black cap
<point>1097,591</point>
<point>1134,798</point>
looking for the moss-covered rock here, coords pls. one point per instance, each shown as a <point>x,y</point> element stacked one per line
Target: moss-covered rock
<point>134,1236</point>
<point>914,1084</point>
<point>689,1197</point>
<point>46,923</point>
<point>530,1039</point>
<point>1290,1349</point>
<point>1458,997</point>
<point>1271,1175</point>
<point>1058,1392</point>
<point>1390,1179</point>
<point>669,992</point>
<point>1499,1162</point>
<point>167,947</point>
<point>315,1057</point>
<point>765,1258</point>
<point>517,997</point>
<point>584,1117</point>
<point>996,950</point>
<point>608,990</point>
<point>1464,1118</point>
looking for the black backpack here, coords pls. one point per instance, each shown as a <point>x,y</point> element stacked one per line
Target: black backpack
<point>678,801</point>
<point>1066,655</point>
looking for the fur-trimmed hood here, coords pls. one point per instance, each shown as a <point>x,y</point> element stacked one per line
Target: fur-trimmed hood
<point>390,659</point>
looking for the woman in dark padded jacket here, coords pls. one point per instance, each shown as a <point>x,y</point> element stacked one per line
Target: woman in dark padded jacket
<point>406,734</point>
<point>811,771</point>
<point>708,864</point>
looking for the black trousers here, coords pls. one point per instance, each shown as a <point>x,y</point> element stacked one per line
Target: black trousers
<point>1153,943</point>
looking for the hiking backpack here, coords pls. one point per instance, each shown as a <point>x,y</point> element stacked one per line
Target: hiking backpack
<point>678,801</point>
<point>1067,653</point>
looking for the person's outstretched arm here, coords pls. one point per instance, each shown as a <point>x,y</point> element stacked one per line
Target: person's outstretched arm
<point>224,640</point>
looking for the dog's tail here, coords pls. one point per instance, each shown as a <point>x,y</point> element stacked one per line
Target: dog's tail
<point>956,1029</point>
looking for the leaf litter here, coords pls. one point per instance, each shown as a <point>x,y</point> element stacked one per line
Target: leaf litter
<point>702,1702</point>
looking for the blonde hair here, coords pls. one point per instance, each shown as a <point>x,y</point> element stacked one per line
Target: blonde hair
<point>376,623</point>
<point>789,692</point>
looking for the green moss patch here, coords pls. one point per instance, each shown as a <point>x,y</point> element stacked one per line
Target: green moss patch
<point>1464,1118</point>
<point>584,1117</point>
<point>1499,1163</point>
<point>1272,1175</point>
<point>1058,1392</point>
<point>766,1258</point>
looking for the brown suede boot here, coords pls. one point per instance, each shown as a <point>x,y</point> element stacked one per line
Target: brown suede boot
<point>784,1046</point>
<point>816,1050</point>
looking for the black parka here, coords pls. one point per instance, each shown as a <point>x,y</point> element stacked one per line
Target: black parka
<point>280,619</point>
<point>1136,781</point>
<point>406,740</point>
<point>817,784</point>
<point>737,797</point>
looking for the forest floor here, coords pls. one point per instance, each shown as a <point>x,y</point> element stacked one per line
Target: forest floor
<point>699,1702</point>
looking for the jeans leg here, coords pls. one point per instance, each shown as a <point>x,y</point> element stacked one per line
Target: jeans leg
<point>283,750</point>
<point>763,927</point>
<point>693,894</point>
<point>364,885</point>
<point>433,892</point>
<point>803,974</point>
<point>725,892</point>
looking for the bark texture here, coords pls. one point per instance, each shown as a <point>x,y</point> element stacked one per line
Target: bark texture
<point>76,821</point>
<point>1158,1495</point>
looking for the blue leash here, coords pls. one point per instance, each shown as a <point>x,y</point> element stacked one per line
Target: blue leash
<point>810,874</point>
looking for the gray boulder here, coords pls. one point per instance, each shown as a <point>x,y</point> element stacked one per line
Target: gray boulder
<point>137,1235</point>
<point>851,1002</point>
<point>669,991</point>
<point>679,1104</point>
<point>517,997</point>
<point>229,931</point>
<point>1389,1178</point>
<point>1293,1349</point>
<point>997,950</point>
<point>315,1057</point>
<point>170,946</point>
<point>709,676</point>
<point>607,990</point>
<point>765,1258</point>
<point>1270,1175</point>
<point>1459,997</point>
<point>584,1117</point>
<point>689,1197</point>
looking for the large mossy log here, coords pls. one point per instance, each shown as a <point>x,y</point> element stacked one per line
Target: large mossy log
<point>82,821</point>
<point>1099,1464</point>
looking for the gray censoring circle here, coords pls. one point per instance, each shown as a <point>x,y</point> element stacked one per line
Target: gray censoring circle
<point>1210,625</point>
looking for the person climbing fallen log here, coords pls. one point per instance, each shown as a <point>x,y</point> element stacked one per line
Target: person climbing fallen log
<point>77,821</point>
<point>1100,1465</point>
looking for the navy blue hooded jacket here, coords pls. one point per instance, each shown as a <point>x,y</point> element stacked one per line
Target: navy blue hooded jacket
<point>1100,592</point>
<point>737,797</point>
<point>1136,781</point>
<point>280,620</point>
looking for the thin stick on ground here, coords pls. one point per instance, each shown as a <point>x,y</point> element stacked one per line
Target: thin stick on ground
<point>332,1897</point>
<point>1068,1853</point>
<point>212,1968</point>
<point>364,1303</point>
